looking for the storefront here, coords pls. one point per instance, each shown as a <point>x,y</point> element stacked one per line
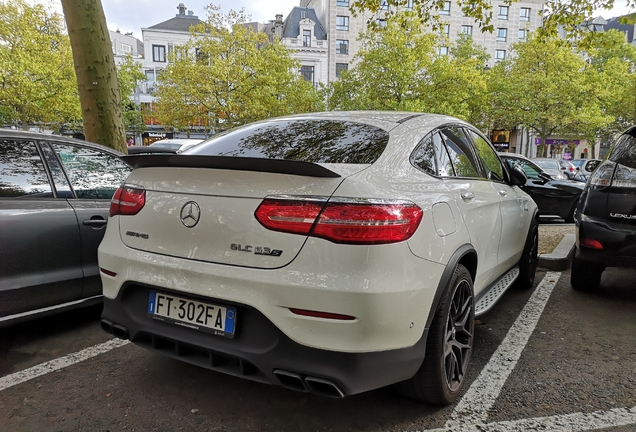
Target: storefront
<point>561,148</point>
<point>150,137</point>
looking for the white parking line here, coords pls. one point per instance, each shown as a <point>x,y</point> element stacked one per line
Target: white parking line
<point>483,392</point>
<point>59,363</point>
<point>471,412</point>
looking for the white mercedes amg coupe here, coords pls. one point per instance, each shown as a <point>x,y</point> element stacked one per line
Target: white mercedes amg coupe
<point>331,253</point>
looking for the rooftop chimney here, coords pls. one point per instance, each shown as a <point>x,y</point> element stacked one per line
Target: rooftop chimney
<point>278,26</point>
<point>182,9</point>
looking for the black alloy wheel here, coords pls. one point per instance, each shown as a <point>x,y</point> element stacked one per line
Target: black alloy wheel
<point>442,376</point>
<point>529,259</point>
<point>459,335</point>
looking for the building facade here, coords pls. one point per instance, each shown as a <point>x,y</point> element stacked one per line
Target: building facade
<point>512,22</point>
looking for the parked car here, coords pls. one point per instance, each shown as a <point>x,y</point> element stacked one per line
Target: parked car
<point>176,145</point>
<point>553,197</point>
<point>606,218</point>
<point>55,195</point>
<point>568,168</point>
<point>552,167</point>
<point>585,167</point>
<point>331,253</point>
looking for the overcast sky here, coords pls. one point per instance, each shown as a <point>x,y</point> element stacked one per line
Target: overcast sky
<point>133,15</point>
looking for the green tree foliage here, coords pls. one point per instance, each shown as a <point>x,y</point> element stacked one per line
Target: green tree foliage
<point>398,68</point>
<point>228,75</point>
<point>548,88</point>
<point>615,61</point>
<point>37,82</point>
<point>568,14</point>
<point>129,74</point>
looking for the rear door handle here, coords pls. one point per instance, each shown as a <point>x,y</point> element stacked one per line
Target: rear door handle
<point>95,222</point>
<point>467,196</point>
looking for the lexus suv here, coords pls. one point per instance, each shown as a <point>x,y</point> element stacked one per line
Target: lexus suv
<point>606,217</point>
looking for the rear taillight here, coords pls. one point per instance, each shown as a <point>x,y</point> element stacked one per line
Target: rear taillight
<point>347,221</point>
<point>602,176</point>
<point>592,244</point>
<point>624,177</point>
<point>127,201</point>
<point>615,175</point>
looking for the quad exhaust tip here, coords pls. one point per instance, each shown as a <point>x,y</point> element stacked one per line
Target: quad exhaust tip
<point>319,386</point>
<point>116,330</point>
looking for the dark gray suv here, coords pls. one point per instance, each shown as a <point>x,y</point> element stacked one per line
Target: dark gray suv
<point>55,196</point>
<point>606,217</point>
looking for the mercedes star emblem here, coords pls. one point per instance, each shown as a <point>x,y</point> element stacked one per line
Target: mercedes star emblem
<point>190,214</point>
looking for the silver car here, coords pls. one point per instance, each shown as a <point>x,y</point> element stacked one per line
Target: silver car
<point>552,167</point>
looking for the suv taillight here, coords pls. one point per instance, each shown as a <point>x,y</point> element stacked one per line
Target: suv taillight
<point>602,175</point>
<point>127,201</point>
<point>615,175</point>
<point>347,221</point>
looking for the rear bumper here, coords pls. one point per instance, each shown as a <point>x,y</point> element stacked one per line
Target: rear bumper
<point>259,351</point>
<point>618,240</point>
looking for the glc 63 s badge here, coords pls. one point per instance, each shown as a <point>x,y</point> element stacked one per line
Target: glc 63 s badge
<point>257,250</point>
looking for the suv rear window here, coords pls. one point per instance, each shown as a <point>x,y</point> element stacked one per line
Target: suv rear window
<point>305,140</point>
<point>624,151</point>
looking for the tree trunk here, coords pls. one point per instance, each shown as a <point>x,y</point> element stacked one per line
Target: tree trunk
<point>96,73</point>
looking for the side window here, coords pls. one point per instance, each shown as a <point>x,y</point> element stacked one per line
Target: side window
<point>62,188</point>
<point>444,165</point>
<point>488,157</point>
<point>424,156</point>
<point>460,152</point>
<point>92,173</point>
<point>22,172</point>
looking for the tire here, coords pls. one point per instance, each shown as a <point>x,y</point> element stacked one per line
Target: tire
<point>528,261</point>
<point>585,276</point>
<point>442,376</point>
<point>570,217</point>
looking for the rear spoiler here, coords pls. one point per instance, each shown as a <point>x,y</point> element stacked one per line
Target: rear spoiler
<point>278,166</point>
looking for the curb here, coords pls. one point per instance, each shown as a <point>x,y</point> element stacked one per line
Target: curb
<point>560,258</point>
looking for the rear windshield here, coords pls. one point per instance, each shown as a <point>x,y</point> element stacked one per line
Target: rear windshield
<point>316,141</point>
<point>547,164</point>
<point>624,151</point>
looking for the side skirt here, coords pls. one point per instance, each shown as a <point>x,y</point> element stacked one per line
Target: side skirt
<point>491,295</point>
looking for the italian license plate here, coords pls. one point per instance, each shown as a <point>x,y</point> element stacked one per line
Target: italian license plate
<point>210,318</point>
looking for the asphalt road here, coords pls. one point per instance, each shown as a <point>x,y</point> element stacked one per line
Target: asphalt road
<point>549,359</point>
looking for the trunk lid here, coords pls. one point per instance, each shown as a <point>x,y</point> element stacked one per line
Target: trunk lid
<point>207,214</point>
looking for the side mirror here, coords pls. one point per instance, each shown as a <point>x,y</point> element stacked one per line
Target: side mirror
<point>518,176</point>
<point>545,176</point>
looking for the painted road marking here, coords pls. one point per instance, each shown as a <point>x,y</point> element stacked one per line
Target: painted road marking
<point>471,412</point>
<point>59,363</point>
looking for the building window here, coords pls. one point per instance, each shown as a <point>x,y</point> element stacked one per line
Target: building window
<point>381,22</point>
<point>503,12</point>
<point>446,9</point>
<point>446,29</point>
<point>342,22</point>
<point>159,53</point>
<point>306,38</point>
<point>342,46</point>
<point>500,55</point>
<point>524,14</point>
<point>467,30</point>
<point>308,73</point>
<point>523,34</point>
<point>384,4</point>
<point>340,68</point>
<point>502,34</point>
<point>409,5</point>
<point>125,48</point>
<point>442,50</point>
<point>342,3</point>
